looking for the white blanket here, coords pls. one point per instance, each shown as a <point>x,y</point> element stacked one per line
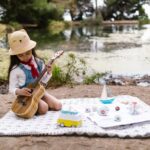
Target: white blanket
<point>93,124</point>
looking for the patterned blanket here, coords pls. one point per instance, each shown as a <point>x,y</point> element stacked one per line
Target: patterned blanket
<point>126,116</point>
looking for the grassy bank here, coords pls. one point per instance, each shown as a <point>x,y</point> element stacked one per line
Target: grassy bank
<point>68,69</point>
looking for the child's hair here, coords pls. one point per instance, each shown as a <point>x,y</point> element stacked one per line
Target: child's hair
<point>14,61</point>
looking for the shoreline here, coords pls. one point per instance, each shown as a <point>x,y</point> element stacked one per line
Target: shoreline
<point>120,22</point>
<point>110,79</point>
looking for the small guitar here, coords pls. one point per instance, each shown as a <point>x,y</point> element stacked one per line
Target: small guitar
<point>25,106</point>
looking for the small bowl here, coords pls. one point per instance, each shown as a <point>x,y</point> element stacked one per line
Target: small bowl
<point>107,100</point>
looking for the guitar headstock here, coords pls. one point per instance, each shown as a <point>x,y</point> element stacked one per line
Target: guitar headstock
<point>57,54</point>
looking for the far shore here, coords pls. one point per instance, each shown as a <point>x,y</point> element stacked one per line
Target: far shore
<point>120,22</point>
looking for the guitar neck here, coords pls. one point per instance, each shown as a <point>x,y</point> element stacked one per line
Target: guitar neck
<point>42,73</point>
<point>57,55</point>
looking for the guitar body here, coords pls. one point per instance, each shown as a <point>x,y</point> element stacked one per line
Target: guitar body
<point>26,107</point>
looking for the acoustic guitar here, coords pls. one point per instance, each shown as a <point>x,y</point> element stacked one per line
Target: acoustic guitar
<point>25,106</point>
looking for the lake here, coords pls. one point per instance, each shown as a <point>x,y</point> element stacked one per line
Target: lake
<point>120,49</point>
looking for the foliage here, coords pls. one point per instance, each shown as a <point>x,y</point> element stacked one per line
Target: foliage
<point>55,27</point>
<point>58,77</point>
<point>74,67</point>
<point>92,79</point>
<point>17,10</point>
<point>15,25</point>
<point>122,9</point>
<point>30,12</point>
<point>42,12</point>
<point>48,12</point>
<point>78,7</point>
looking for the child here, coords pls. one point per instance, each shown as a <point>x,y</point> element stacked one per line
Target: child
<point>25,67</point>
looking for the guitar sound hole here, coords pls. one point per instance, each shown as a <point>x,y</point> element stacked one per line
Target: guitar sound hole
<point>22,100</point>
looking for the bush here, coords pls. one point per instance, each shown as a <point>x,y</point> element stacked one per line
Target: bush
<point>74,67</point>
<point>92,79</point>
<point>58,77</point>
<point>55,27</point>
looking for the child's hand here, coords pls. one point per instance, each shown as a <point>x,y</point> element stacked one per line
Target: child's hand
<point>23,92</point>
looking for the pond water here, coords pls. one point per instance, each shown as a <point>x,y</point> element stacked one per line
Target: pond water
<point>82,39</point>
<point>122,50</point>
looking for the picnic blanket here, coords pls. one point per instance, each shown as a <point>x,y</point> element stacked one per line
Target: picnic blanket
<point>93,123</point>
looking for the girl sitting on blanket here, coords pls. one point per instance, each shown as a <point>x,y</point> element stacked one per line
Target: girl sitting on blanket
<point>25,67</point>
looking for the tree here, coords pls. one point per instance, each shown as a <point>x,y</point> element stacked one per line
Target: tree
<point>123,9</point>
<point>78,7</point>
<point>20,11</point>
<point>29,11</point>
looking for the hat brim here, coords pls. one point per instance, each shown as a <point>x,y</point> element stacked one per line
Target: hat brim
<point>30,46</point>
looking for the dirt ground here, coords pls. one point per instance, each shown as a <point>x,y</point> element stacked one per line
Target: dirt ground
<point>75,142</point>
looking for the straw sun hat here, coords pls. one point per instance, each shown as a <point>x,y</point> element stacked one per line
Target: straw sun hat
<point>20,42</point>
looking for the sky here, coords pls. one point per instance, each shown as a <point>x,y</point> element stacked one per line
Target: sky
<point>147,9</point>
<point>99,3</point>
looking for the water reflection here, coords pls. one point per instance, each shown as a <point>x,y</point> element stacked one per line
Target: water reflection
<point>92,36</point>
<point>146,34</point>
<point>67,34</point>
<point>127,28</point>
<point>98,45</point>
<point>87,38</point>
